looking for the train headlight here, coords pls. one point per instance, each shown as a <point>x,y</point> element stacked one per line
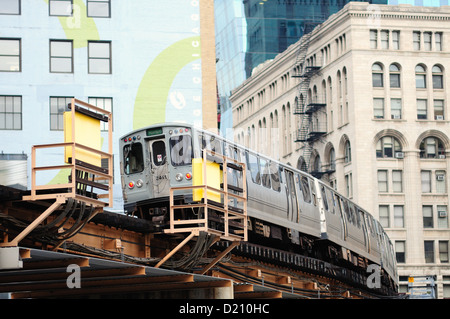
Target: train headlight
<point>179,177</point>
<point>131,185</point>
<point>139,183</point>
<point>188,176</point>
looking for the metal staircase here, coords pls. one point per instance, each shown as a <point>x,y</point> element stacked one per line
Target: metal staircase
<point>309,131</point>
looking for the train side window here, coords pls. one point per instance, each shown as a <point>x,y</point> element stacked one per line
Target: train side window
<point>324,198</point>
<point>305,189</point>
<point>346,209</point>
<point>337,204</point>
<point>181,150</point>
<point>253,166</point>
<point>275,176</point>
<point>133,158</point>
<point>358,217</point>
<point>313,192</point>
<point>210,143</point>
<point>265,173</point>
<point>331,201</point>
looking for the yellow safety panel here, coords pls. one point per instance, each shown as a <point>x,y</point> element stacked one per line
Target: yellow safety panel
<point>87,133</point>
<point>213,179</point>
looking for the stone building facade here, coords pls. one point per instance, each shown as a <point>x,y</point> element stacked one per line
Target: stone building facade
<point>370,115</point>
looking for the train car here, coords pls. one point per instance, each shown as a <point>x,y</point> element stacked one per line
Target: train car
<point>287,208</point>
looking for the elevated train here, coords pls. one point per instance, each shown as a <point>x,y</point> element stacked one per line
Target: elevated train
<point>287,207</point>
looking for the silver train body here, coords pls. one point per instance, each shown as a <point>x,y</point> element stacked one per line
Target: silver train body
<point>285,205</point>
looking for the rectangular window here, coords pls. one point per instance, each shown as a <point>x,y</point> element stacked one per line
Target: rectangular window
<point>442,216</point>
<point>421,80</point>
<point>422,109</point>
<point>396,40</point>
<point>58,105</point>
<point>429,251</point>
<point>416,40</point>
<point>427,212</point>
<point>99,57</point>
<point>99,8</point>
<point>60,7</point>
<point>384,35</point>
<point>373,39</point>
<point>9,6</point>
<point>104,103</point>
<point>396,109</point>
<point>443,251</point>
<point>441,182</point>
<point>427,41</point>
<point>397,181</point>
<point>438,109</point>
<point>426,181</point>
<point>61,56</point>
<point>400,249</point>
<point>382,181</point>
<point>349,185</point>
<point>378,108</point>
<point>10,51</point>
<point>10,112</point>
<point>399,216</point>
<point>438,41</point>
<point>377,80</point>
<point>384,216</point>
<point>394,80</point>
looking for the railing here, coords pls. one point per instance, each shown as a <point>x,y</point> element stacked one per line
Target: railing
<point>76,184</point>
<point>83,174</point>
<point>221,218</point>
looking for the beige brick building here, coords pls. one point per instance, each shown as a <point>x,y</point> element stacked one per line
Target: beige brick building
<point>371,118</point>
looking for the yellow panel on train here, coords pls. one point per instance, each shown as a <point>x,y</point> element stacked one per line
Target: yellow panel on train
<point>213,179</point>
<point>87,133</point>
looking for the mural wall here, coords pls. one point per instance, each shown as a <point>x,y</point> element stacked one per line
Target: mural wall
<point>151,73</point>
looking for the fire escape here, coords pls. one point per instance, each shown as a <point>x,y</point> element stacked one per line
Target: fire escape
<point>312,126</point>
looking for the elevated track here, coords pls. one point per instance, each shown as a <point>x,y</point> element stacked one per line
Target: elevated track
<point>255,271</point>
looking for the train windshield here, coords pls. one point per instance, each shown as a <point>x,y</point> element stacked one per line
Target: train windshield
<point>181,150</point>
<point>133,158</point>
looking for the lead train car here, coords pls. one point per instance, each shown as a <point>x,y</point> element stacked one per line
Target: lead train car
<point>287,207</point>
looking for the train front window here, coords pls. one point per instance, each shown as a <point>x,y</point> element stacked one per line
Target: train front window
<point>133,158</point>
<point>159,153</point>
<point>181,150</point>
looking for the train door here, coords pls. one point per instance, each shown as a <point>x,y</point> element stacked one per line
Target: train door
<point>234,175</point>
<point>159,167</point>
<point>292,210</point>
<point>309,218</point>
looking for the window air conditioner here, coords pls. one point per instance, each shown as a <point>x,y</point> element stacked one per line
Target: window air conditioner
<point>441,156</point>
<point>439,117</point>
<point>442,214</point>
<point>440,177</point>
<point>399,155</point>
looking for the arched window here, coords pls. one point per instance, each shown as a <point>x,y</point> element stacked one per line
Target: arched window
<point>421,77</point>
<point>394,75</point>
<point>388,147</point>
<point>332,159</point>
<point>317,164</point>
<point>438,82</point>
<point>377,75</point>
<point>432,147</point>
<point>347,152</point>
